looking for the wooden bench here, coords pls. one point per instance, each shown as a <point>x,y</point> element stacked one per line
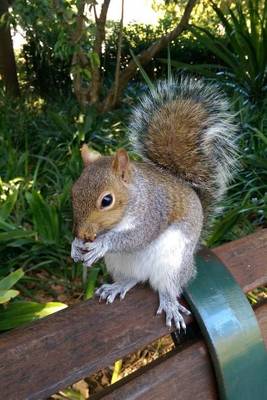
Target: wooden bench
<point>39,359</point>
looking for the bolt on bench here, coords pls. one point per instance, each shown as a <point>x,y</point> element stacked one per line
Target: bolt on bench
<point>222,356</point>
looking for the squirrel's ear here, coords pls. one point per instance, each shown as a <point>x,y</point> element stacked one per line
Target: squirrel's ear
<point>121,164</point>
<point>88,156</point>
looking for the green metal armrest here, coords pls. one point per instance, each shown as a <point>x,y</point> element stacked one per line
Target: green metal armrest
<point>230,328</point>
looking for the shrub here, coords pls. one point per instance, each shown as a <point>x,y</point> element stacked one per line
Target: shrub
<point>241,51</point>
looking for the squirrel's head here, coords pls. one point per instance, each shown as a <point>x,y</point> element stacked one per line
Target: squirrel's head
<point>100,195</point>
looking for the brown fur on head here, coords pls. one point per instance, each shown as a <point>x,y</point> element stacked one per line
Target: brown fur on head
<point>101,177</point>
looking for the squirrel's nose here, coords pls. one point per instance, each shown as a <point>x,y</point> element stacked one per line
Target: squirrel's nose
<point>87,237</point>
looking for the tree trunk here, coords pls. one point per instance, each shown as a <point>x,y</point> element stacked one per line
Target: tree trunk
<point>95,87</point>
<point>144,57</point>
<point>8,68</point>
<point>85,94</point>
<point>118,61</point>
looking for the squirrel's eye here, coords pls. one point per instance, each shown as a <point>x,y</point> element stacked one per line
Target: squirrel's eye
<point>106,201</point>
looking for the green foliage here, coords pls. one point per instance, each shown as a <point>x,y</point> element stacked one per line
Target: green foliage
<point>91,283</point>
<point>47,62</point>
<point>20,312</point>
<point>245,206</point>
<point>6,293</point>
<point>40,158</point>
<point>143,72</point>
<point>138,37</point>
<point>45,67</point>
<point>171,11</point>
<point>70,394</point>
<point>45,217</point>
<point>241,51</point>
<point>50,29</point>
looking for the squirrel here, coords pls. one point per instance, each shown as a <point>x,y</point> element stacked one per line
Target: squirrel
<point>146,218</point>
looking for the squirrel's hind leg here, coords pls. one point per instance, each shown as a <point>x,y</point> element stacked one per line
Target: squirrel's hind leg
<point>173,309</point>
<point>109,292</point>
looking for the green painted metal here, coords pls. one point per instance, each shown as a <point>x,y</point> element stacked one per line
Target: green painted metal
<point>231,330</point>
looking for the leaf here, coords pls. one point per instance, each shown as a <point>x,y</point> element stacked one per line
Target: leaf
<point>8,205</point>
<point>86,73</point>
<point>143,72</point>
<point>15,234</point>
<point>208,70</point>
<point>18,313</point>
<point>72,394</point>
<point>94,59</point>
<point>116,371</point>
<point>244,46</point>
<point>10,280</point>
<point>45,217</point>
<point>91,283</point>
<point>6,295</point>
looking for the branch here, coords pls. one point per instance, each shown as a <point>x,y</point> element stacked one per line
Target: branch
<point>100,27</point>
<point>144,57</point>
<point>95,13</point>
<point>77,35</point>
<point>117,70</point>
<point>99,39</point>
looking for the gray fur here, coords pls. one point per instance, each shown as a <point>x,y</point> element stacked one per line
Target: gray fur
<point>147,232</point>
<point>218,138</point>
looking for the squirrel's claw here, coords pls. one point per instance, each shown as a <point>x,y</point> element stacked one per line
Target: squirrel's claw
<point>109,292</point>
<point>172,309</point>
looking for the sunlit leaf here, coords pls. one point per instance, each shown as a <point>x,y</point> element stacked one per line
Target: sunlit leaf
<point>10,280</point>
<point>19,313</point>
<point>6,295</point>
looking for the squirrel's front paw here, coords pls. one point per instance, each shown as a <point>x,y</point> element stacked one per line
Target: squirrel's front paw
<point>173,310</point>
<point>94,251</point>
<point>77,250</point>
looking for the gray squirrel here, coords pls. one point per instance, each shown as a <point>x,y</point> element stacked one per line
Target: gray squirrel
<point>146,218</point>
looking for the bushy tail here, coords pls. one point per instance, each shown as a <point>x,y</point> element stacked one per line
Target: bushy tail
<point>185,126</point>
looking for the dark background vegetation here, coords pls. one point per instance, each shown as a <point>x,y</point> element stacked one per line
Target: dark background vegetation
<point>62,89</point>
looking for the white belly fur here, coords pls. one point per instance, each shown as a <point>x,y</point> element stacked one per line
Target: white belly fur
<point>159,263</point>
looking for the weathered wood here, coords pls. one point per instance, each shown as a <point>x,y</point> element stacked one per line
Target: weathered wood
<point>180,376</point>
<point>184,376</point>
<point>246,259</point>
<point>63,348</point>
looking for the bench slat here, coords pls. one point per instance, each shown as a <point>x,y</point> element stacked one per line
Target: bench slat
<point>187,375</point>
<point>74,343</point>
<point>246,259</point>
